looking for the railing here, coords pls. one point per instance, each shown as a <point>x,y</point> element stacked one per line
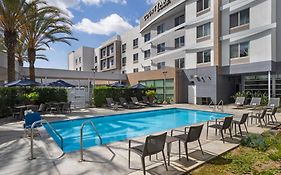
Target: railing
<point>214,105</point>
<point>32,136</point>
<point>218,106</point>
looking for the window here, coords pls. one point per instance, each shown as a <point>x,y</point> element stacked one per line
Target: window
<point>80,68</point>
<point>111,49</point>
<point>204,57</point>
<point>96,59</point>
<point>124,71</point>
<point>124,60</point>
<point>161,48</point>
<point>76,69</point>
<point>239,50</point>
<point>112,62</point>
<point>147,53</point>
<point>135,42</point>
<point>202,5</point>
<point>76,61</point>
<point>146,37</point>
<point>146,68</point>
<point>79,59</point>
<point>179,63</point>
<point>124,48</point>
<point>204,30</point>
<point>103,53</point>
<point>240,18</point>
<point>135,70</point>
<point>179,20</point>
<point>136,57</point>
<point>161,65</point>
<point>160,29</point>
<point>179,42</point>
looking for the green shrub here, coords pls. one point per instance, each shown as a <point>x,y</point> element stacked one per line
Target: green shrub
<point>255,141</point>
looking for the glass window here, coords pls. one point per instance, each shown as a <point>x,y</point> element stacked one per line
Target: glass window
<point>202,5</point>
<point>160,29</point>
<point>244,17</point>
<point>146,68</point>
<point>240,18</point>
<point>179,20</point>
<point>179,42</point>
<point>124,46</point>
<point>239,50</point>
<point>179,63</point>
<point>161,65</point>
<point>234,20</point>
<point>234,51</point>
<point>204,30</point>
<point>147,53</point>
<point>136,57</point>
<point>146,37</point>
<point>135,70</point>
<point>135,42</point>
<point>161,48</point>
<point>124,60</point>
<point>204,57</point>
<point>244,49</point>
<point>96,59</point>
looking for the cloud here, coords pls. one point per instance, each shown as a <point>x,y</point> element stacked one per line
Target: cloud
<point>106,26</point>
<point>151,1</point>
<point>99,2</point>
<point>137,21</point>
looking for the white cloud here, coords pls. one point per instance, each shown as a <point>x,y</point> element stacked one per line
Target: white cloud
<point>137,21</point>
<point>151,1</point>
<point>99,2</point>
<point>106,26</point>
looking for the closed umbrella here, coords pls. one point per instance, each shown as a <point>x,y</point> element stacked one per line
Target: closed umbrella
<point>23,82</point>
<point>59,83</point>
<point>139,86</point>
<point>117,84</point>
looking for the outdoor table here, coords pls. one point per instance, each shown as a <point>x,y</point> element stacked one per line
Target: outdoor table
<point>23,108</point>
<point>169,141</point>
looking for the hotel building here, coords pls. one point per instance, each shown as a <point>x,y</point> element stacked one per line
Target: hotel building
<point>194,50</point>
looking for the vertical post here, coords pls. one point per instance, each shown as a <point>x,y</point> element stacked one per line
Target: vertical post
<point>31,144</point>
<point>164,93</point>
<point>269,85</point>
<point>94,80</point>
<point>81,144</point>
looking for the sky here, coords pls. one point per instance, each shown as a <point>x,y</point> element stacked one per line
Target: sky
<point>94,21</point>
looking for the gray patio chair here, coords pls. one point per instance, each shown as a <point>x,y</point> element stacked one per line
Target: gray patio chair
<point>273,102</point>
<point>193,134</point>
<point>124,103</point>
<point>111,104</point>
<point>272,114</point>
<point>240,122</point>
<point>136,102</point>
<point>153,145</point>
<point>255,102</point>
<point>260,117</point>
<point>146,101</point>
<point>239,102</point>
<point>227,123</point>
<point>42,108</point>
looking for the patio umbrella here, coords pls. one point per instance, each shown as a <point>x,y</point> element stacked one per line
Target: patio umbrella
<point>139,86</point>
<point>59,83</point>
<point>23,82</point>
<point>117,84</point>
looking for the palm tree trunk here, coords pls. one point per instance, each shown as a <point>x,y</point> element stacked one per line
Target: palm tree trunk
<point>20,60</point>
<point>10,39</point>
<point>31,59</point>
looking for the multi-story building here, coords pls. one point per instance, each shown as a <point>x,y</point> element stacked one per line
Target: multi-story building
<point>82,59</point>
<point>193,50</point>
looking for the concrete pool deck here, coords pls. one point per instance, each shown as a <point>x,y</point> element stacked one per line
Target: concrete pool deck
<point>15,149</point>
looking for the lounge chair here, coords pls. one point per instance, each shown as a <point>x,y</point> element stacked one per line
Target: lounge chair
<point>260,117</point>
<point>239,102</point>
<point>146,101</point>
<point>240,122</point>
<point>272,114</point>
<point>29,119</point>
<point>221,127</point>
<point>124,103</point>
<point>193,134</point>
<point>153,145</point>
<point>255,102</point>
<point>112,104</point>
<point>273,102</point>
<point>136,102</point>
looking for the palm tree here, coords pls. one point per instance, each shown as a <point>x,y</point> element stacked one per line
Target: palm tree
<point>47,27</point>
<point>12,15</point>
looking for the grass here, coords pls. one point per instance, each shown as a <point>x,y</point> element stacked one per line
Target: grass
<point>258,155</point>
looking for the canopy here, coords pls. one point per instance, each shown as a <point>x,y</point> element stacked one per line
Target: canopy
<point>23,82</point>
<point>59,83</point>
<point>139,86</point>
<point>117,84</point>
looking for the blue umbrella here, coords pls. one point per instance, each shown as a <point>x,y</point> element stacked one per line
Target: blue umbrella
<point>59,83</point>
<point>117,84</point>
<point>23,82</point>
<point>139,86</point>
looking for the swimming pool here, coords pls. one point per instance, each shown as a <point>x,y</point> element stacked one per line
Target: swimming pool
<point>124,126</point>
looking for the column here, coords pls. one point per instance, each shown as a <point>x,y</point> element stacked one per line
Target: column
<point>269,85</point>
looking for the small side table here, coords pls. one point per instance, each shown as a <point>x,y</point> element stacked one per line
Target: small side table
<point>169,141</point>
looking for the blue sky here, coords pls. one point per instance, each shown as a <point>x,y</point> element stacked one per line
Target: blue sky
<point>94,22</point>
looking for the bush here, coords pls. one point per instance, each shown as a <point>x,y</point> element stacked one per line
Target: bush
<point>102,92</point>
<point>255,141</point>
<point>12,96</point>
<point>249,94</point>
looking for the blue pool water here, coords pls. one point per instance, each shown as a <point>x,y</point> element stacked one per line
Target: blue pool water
<point>124,126</point>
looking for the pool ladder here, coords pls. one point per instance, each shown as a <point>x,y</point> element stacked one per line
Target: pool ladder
<point>81,139</point>
<point>218,106</point>
<point>32,137</point>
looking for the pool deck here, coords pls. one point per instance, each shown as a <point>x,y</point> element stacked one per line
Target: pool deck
<point>15,149</point>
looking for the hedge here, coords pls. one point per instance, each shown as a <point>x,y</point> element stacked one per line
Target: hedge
<point>102,92</point>
<point>12,96</point>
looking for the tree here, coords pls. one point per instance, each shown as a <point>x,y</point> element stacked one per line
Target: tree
<point>49,25</point>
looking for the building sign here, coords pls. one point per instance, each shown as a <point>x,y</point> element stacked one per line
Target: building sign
<point>157,8</point>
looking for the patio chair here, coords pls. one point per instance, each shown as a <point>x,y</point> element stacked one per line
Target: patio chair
<point>272,114</point>
<point>153,145</point>
<point>227,122</point>
<point>112,104</point>
<point>240,122</point>
<point>239,102</point>
<point>127,105</point>
<point>16,113</point>
<point>42,108</point>
<point>255,102</point>
<point>146,101</point>
<point>136,102</point>
<point>273,102</point>
<point>29,119</point>
<point>260,117</point>
<point>193,134</point>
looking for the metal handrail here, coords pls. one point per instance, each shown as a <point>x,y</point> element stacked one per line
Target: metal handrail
<point>32,136</point>
<point>81,137</point>
<point>212,103</point>
<point>220,104</point>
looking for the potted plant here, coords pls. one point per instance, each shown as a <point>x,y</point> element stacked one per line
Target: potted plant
<point>151,95</point>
